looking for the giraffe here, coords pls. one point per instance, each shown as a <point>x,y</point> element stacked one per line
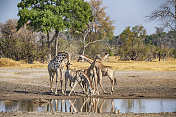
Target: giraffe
<point>91,72</point>
<point>101,70</point>
<point>53,66</point>
<point>76,76</point>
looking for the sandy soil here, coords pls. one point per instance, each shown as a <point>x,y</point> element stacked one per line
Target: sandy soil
<point>31,83</point>
<point>64,114</point>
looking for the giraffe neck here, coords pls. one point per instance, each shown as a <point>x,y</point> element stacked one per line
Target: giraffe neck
<point>93,63</point>
<point>104,57</point>
<point>88,79</point>
<point>89,60</point>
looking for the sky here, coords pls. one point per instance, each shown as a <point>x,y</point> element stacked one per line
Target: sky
<point>123,13</point>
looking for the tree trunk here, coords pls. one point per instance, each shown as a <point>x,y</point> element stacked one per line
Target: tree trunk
<point>0,52</point>
<point>160,50</point>
<point>83,52</point>
<point>56,41</point>
<point>50,42</point>
<point>175,9</point>
<point>30,59</point>
<point>56,44</point>
<point>49,47</point>
<point>175,15</point>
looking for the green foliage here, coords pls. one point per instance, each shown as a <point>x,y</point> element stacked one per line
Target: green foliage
<point>134,44</point>
<point>81,27</point>
<point>131,45</point>
<point>60,15</point>
<point>54,16</point>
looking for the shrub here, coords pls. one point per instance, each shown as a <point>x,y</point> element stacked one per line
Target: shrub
<point>4,62</point>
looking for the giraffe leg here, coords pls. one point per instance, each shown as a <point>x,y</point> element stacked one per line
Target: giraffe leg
<point>62,86</point>
<point>51,81</point>
<point>51,105</point>
<point>51,90</point>
<point>56,102</point>
<point>110,75</point>
<point>56,81</point>
<point>112,83</point>
<point>112,106</point>
<point>101,106</point>
<point>100,82</point>
<point>73,87</point>
<point>80,84</point>
<point>95,79</point>
<point>89,89</point>
<point>66,80</point>
<point>70,84</point>
<point>61,80</point>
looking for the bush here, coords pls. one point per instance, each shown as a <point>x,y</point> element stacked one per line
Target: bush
<point>4,62</point>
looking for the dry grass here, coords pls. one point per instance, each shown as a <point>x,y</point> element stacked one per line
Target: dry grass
<point>6,62</point>
<point>36,64</point>
<point>114,62</point>
<point>168,65</point>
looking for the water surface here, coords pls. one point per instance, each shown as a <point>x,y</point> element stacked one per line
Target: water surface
<point>92,105</point>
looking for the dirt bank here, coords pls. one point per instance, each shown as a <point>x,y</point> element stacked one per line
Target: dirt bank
<point>57,114</point>
<point>30,83</point>
<point>34,83</point>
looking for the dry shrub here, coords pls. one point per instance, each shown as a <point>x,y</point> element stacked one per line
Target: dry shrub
<point>5,62</point>
<point>35,64</point>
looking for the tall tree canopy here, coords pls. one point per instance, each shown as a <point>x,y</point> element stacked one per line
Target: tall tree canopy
<point>131,43</point>
<point>54,15</point>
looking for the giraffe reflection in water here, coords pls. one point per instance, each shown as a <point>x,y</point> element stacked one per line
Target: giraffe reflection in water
<point>96,105</point>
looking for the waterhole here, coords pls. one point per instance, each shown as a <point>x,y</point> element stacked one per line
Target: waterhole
<point>91,105</point>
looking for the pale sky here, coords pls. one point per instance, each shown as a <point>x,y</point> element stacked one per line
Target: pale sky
<point>123,12</point>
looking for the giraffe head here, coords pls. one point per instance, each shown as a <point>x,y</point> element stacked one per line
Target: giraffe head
<point>80,58</point>
<point>98,57</point>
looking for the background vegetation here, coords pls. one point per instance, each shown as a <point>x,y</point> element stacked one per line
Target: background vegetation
<point>83,29</point>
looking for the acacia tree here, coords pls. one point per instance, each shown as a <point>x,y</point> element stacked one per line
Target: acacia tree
<point>99,30</point>
<point>54,15</point>
<point>165,14</point>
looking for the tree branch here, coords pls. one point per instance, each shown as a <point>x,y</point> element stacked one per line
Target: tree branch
<point>93,42</point>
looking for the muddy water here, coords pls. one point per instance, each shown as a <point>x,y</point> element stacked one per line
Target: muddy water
<point>92,105</point>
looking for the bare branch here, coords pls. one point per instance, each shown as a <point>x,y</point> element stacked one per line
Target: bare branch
<point>165,14</point>
<point>93,42</point>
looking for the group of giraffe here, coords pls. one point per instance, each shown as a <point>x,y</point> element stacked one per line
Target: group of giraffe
<point>87,79</point>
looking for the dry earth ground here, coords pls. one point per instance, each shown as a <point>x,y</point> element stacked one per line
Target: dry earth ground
<point>134,80</point>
